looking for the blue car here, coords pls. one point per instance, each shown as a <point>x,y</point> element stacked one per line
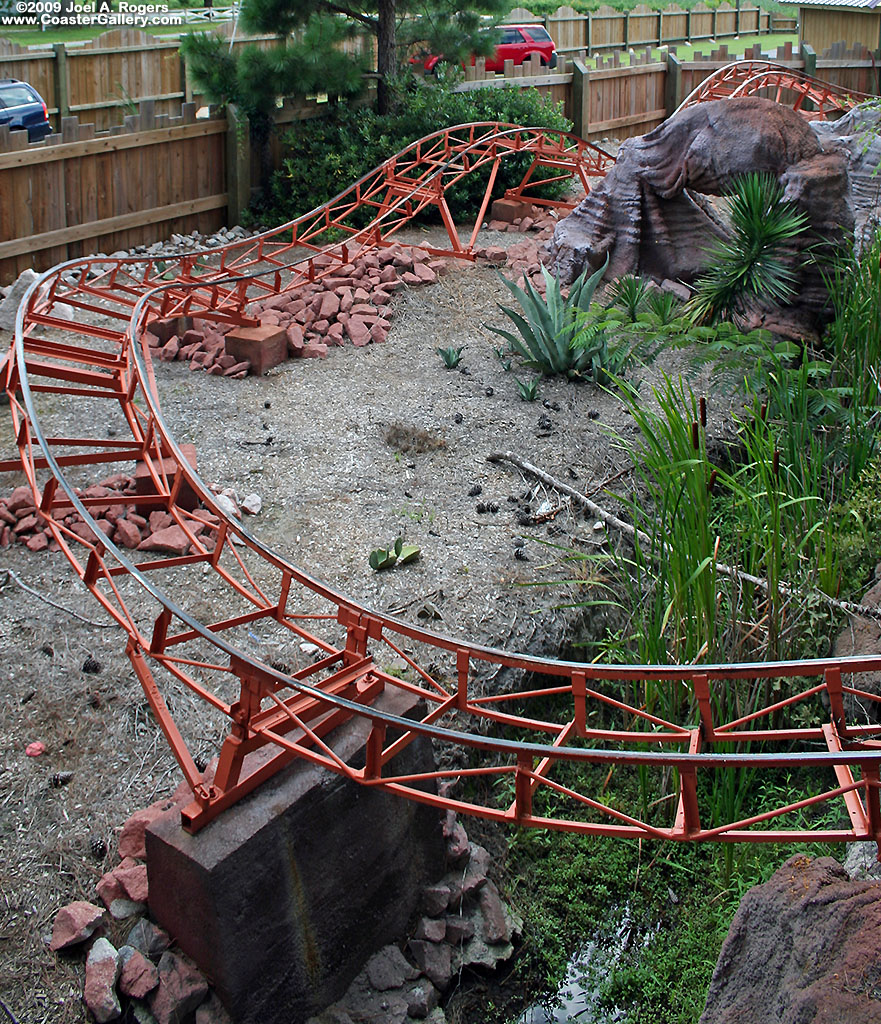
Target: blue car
<point>22,107</point>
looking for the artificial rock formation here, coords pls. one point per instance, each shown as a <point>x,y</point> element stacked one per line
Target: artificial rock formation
<point>647,216</point>
<point>804,948</point>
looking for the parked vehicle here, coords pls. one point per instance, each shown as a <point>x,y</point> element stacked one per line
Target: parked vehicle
<point>518,43</point>
<point>22,108</point>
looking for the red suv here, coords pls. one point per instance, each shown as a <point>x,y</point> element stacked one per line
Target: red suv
<point>518,43</point>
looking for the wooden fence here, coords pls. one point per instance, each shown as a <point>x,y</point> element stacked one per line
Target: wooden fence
<point>607,29</point>
<point>88,191</point>
<point>105,79</point>
<point>102,191</point>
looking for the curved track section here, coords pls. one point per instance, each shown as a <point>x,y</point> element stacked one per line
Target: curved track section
<point>814,99</point>
<point>536,739</point>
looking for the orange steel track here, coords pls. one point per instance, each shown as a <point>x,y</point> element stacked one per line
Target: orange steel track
<point>536,741</point>
<point>814,99</point>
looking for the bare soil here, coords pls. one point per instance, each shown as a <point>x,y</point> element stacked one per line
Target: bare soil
<point>347,453</point>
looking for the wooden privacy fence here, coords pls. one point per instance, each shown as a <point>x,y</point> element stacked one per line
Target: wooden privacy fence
<point>105,79</point>
<point>94,191</point>
<point>609,29</point>
<point>88,191</point>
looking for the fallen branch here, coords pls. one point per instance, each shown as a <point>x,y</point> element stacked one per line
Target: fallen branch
<point>628,530</point>
<point>10,575</point>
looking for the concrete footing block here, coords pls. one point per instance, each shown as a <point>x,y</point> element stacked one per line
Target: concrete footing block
<point>282,899</point>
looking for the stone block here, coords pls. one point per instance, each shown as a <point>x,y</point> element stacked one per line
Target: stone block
<point>283,898</point>
<point>145,487</point>
<point>263,347</point>
<point>510,210</point>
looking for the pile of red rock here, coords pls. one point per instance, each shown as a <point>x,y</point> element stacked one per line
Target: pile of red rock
<point>144,972</point>
<point>351,303</point>
<point>119,519</point>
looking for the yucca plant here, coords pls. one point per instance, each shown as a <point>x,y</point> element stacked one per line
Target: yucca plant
<point>751,266</point>
<point>549,324</point>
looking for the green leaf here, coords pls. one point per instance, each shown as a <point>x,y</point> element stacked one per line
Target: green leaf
<point>382,559</point>
<point>408,553</point>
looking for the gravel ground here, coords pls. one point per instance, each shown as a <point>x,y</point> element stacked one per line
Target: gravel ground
<point>366,445</point>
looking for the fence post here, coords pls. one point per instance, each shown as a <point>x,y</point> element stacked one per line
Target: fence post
<point>62,86</point>
<point>737,18</point>
<point>673,84</point>
<point>580,97</point>
<point>809,56</point>
<point>238,164</point>
<point>185,86</point>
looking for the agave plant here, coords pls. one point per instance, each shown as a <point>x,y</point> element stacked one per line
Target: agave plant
<point>751,265</point>
<point>548,327</point>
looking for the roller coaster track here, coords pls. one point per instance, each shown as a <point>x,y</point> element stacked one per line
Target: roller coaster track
<point>538,737</point>
<point>814,99</point>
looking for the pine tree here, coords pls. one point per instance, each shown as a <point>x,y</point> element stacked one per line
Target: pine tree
<point>440,24</point>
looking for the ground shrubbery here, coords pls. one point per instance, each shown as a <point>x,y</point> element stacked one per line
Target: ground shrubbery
<point>324,156</point>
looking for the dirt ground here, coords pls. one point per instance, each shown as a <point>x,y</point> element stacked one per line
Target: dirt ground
<point>366,445</point>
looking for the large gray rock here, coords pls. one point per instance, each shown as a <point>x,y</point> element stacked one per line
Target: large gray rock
<point>646,216</point>
<point>804,948</point>
<point>9,306</point>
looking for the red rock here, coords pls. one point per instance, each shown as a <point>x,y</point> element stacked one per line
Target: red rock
<point>495,254</point>
<point>105,526</point>
<point>109,888</point>
<point>431,929</point>
<point>74,924</point>
<point>378,334</point>
<point>137,976</point>
<point>403,261</point>
<point>134,881</point>
<point>321,326</point>
<point>131,838</point>
<point>160,519</point>
<point>133,517</point>
<point>117,482</point>
<point>192,338</point>
<point>83,532</point>
<point>358,331</point>
<point>388,274</point>
<point>380,298</point>
<point>5,537</point>
<point>294,339</point>
<point>216,370</point>
<point>328,306</point>
<point>126,534</point>
<point>495,926</point>
<point>39,542</point>
<point>114,513</point>
<point>425,274</point>
<point>335,334</point>
<point>346,299</point>
<point>169,350</point>
<point>181,989</point>
<point>171,540</point>
<point>6,516</point>
<point>526,223</point>
<point>21,497</point>
<point>226,361</point>
<point>102,970</point>
<point>314,350</point>
<point>237,369</point>
<point>276,301</point>
<point>273,319</point>
<point>25,525</point>
<point>188,351</point>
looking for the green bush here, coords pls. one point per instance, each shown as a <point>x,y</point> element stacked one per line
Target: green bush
<point>324,156</point>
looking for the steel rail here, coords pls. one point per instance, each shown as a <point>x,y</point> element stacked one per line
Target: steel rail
<point>298,712</point>
<point>751,77</point>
